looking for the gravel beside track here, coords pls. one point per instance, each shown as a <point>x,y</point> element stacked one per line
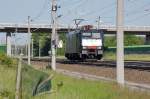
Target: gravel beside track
<point>132,75</point>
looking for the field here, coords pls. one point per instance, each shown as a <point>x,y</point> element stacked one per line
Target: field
<point>72,88</point>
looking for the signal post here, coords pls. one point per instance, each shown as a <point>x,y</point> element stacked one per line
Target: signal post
<point>53,36</point>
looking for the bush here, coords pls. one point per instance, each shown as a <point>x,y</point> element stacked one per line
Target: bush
<point>109,41</point>
<point>5,60</point>
<point>129,40</point>
<point>5,94</point>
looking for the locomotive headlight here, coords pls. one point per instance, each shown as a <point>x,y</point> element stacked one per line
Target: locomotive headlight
<point>99,47</point>
<point>84,47</point>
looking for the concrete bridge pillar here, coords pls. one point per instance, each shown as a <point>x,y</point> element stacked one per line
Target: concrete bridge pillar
<point>8,42</point>
<point>147,39</point>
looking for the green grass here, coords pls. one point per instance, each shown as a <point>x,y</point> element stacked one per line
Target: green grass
<point>84,89</point>
<point>7,82</point>
<point>72,88</point>
<point>141,57</point>
<point>30,77</point>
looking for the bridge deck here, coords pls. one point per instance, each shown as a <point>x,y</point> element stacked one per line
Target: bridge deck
<point>36,28</point>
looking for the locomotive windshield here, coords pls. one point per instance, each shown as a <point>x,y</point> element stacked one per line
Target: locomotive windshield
<point>91,35</point>
<point>86,34</point>
<point>91,39</point>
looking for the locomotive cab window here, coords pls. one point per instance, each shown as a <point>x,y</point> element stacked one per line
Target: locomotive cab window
<point>96,35</point>
<point>86,34</point>
<point>91,35</point>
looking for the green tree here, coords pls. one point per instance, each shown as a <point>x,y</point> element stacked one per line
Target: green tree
<point>129,40</point>
<point>109,41</point>
<point>45,43</point>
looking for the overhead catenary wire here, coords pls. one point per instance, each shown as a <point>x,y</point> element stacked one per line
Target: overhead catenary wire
<point>137,11</point>
<point>40,13</point>
<point>105,8</point>
<point>138,17</point>
<point>69,12</point>
<point>88,15</point>
<point>73,10</point>
<point>132,0</point>
<point>69,2</point>
<point>77,6</point>
<point>103,11</point>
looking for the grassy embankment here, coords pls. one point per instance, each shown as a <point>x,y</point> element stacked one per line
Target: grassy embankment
<point>8,69</point>
<point>84,89</point>
<point>72,88</point>
<point>140,57</point>
<point>112,56</point>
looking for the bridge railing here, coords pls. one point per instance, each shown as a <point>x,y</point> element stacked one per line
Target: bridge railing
<point>2,25</point>
<point>60,26</point>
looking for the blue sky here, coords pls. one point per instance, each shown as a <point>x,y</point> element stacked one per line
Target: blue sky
<point>137,12</point>
<point>16,11</point>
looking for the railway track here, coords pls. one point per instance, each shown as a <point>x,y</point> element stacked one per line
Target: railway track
<point>140,65</point>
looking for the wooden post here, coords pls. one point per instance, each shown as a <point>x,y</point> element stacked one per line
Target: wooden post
<point>18,82</point>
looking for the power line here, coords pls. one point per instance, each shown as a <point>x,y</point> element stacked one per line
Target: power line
<point>69,3</point>
<point>81,4</point>
<point>41,11</point>
<point>76,7</point>
<point>71,10</point>
<point>136,11</point>
<point>103,11</point>
<point>138,18</point>
<point>105,8</point>
<point>132,0</point>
